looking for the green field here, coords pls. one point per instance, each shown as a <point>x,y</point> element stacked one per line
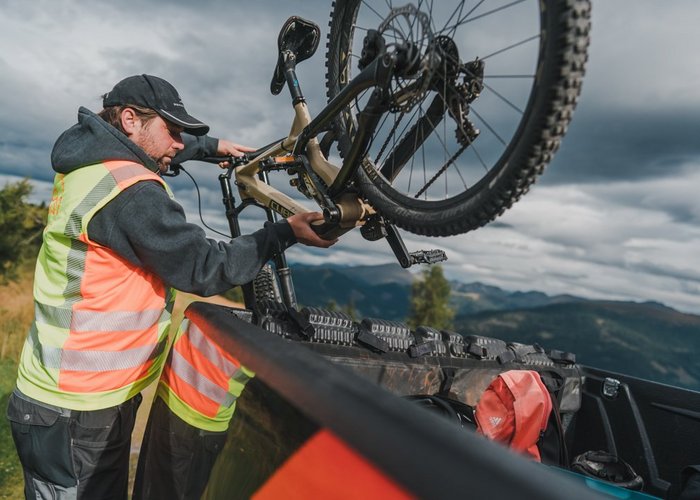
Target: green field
<point>11,482</point>
<point>15,316</point>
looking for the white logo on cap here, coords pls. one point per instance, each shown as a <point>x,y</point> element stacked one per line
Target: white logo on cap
<point>495,421</point>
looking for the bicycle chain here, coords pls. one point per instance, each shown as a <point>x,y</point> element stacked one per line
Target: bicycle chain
<point>388,138</point>
<point>441,171</point>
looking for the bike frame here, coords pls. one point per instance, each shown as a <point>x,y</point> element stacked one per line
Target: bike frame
<point>324,181</point>
<point>300,152</point>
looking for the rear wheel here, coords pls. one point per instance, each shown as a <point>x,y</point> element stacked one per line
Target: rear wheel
<point>488,98</point>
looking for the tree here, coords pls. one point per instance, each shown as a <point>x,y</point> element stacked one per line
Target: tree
<point>350,309</point>
<point>21,226</point>
<point>430,297</point>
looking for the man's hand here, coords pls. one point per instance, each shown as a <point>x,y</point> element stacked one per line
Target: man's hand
<point>231,148</point>
<point>228,148</point>
<point>301,225</point>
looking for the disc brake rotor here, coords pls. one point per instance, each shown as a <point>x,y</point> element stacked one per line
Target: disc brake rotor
<point>409,88</point>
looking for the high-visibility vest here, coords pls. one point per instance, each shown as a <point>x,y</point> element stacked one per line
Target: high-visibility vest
<point>201,382</point>
<point>100,330</point>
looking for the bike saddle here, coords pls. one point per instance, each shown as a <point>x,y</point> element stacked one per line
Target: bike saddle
<point>299,37</point>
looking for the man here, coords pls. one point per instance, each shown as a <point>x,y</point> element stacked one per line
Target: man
<point>115,245</point>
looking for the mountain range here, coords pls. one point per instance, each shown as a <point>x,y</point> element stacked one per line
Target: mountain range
<point>647,340</point>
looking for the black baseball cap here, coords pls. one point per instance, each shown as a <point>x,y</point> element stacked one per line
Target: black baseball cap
<point>154,93</point>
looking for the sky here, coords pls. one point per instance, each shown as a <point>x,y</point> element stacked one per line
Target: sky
<point>615,216</point>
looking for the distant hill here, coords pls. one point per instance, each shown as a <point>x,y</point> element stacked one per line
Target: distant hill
<point>469,298</point>
<point>647,340</point>
<point>373,291</point>
<point>385,291</point>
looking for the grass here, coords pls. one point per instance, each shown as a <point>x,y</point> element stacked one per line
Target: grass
<point>11,480</point>
<point>16,314</point>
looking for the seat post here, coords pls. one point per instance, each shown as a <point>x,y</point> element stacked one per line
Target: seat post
<point>290,74</point>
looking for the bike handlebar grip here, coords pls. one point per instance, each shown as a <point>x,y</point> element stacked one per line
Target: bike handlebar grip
<point>245,157</point>
<point>215,159</point>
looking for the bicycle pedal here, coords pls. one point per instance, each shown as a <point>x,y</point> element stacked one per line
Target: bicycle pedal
<point>428,256</point>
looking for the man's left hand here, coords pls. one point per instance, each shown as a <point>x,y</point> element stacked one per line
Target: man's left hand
<point>228,148</point>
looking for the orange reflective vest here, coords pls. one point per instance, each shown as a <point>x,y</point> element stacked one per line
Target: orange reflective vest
<point>200,381</point>
<point>99,334</point>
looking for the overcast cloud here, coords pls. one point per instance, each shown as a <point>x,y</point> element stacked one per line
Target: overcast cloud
<point>615,216</point>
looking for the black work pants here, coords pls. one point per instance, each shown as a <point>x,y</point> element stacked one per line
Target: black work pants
<point>176,458</point>
<point>69,454</point>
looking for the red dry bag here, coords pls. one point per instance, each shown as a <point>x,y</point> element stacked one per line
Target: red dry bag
<point>514,410</point>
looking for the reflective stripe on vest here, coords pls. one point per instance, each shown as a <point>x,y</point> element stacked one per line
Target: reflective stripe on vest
<point>92,361</point>
<point>65,317</point>
<point>99,334</point>
<point>200,381</point>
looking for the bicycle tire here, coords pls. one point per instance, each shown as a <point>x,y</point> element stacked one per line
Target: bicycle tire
<point>561,56</point>
<point>266,286</point>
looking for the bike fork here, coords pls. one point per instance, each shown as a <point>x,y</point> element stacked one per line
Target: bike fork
<point>284,273</point>
<point>235,228</point>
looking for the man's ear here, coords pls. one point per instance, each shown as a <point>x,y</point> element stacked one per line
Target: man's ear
<point>131,123</point>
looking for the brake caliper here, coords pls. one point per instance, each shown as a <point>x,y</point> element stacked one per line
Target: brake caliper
<point>372,46</point>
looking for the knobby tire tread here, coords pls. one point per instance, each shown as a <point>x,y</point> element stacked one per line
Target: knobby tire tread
<point>265,285</point>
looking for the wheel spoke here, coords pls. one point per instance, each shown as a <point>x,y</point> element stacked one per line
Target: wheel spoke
<point>478,156</point>
<point>486,124</point>
<point>366,4</point>
<point>459,16</point>
<point>508,76</point>
<point>459,8</point>
<point>504,99</point>
<point>466,19</point>
<point>518,44</point>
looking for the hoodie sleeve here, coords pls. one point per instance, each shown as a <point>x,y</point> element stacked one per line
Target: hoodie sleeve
<point>196,148</point>
<point>145,227</point>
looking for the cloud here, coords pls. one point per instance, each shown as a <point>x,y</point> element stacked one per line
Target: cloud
<point>643,57</point>
<point>606,144</point>
<point>57,56</point>
<point>615,215</point>
<point>590,240</point>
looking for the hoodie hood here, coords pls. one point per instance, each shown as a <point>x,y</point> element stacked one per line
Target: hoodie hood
<point>93,140</point>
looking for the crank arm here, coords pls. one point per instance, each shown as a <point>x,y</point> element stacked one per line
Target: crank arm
<point>397,245</point>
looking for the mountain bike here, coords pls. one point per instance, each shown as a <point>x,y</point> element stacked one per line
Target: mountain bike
<point>443,115</point>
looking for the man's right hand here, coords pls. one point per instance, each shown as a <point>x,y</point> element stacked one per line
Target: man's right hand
<point>304,233</point>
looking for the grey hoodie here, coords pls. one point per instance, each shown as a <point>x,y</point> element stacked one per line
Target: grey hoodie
<point>145,227</point>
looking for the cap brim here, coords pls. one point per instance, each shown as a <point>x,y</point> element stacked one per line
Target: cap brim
<point>189,123</point>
